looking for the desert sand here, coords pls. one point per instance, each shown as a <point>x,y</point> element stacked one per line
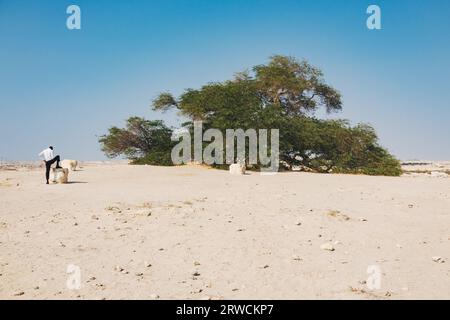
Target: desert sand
<point>144,232</point>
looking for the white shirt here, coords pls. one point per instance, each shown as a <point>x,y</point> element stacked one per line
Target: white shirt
<point>47,154</point>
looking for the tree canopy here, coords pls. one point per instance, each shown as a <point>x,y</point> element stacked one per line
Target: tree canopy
<point>284,94</point>
<point>141,141</point>
<point>295,87</point>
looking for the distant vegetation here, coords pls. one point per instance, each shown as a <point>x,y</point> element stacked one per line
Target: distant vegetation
<point>283,94</point>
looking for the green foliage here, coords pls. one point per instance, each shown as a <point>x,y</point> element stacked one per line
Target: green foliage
<point>164,101</point>
<point>335,146</point>
<point>155,158</point>
<point>295,87</point>
<point>142,141</point>
<point>282,94</point>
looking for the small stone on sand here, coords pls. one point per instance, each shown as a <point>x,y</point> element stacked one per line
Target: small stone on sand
<point>327,246</point>
<point>438,259</point>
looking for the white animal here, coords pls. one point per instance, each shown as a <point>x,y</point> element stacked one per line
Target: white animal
<point>69,164</point>
<point>237,169</point>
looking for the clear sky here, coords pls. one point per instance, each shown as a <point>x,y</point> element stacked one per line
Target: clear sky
<point>66,87</point>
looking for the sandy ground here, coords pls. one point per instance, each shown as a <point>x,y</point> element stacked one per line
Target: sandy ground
<point>188,232</point>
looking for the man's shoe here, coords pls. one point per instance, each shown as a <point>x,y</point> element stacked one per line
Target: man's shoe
<point>47,182</point>
<point>59,167</point>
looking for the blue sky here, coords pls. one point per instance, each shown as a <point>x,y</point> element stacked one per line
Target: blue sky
<point>66,87</point>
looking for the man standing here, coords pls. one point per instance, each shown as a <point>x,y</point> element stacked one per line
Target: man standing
<point>47,156</point>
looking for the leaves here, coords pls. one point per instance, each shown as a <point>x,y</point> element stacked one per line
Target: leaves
<point>140,138</point>
<point>164,102</point>
<point>296,86</point>
<point>282,94</point>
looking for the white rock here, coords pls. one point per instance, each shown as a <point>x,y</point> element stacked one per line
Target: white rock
<point>438,174</point>
<point>237,169</point>
<point>60,175</point>
<point>69,164</point>
<point>327,246</point>
<point>438,259</point>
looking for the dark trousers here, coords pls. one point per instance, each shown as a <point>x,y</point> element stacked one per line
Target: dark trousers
<point>48,165</point>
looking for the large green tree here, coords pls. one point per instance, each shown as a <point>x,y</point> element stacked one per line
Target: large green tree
<point>282,94</point>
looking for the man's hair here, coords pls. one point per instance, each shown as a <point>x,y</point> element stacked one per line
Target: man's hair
<point>50,147</point>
